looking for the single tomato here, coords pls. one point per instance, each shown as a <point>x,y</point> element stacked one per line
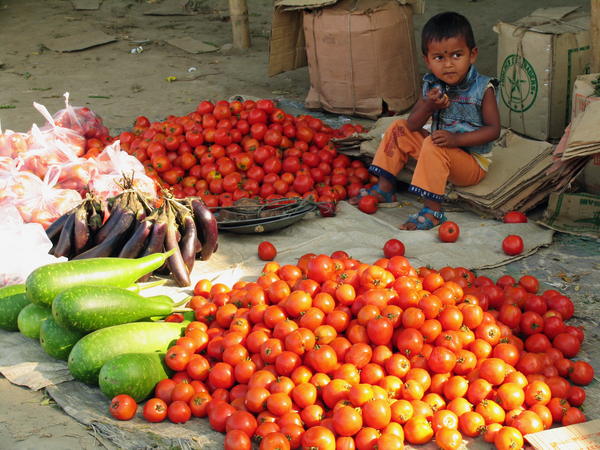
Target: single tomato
<point>368,204</point>
<point>393,247</point>
<point>266,251</point>
<point>515,217</point>
<point>155,410</point>
<point>123,407</point>
<point>512,245</point>
<point>449,232</point>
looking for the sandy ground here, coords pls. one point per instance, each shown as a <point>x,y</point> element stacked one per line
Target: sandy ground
<point>137,85</point>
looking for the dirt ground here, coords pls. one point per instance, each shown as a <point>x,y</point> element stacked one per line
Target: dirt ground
<point>136,84</point>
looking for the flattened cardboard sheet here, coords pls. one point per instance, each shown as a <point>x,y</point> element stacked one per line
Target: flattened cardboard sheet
<point>584,436</point>
<point>78,41</point>
<point>192,45</point>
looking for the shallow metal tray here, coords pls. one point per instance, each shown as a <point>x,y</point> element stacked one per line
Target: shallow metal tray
<point>263,225</point>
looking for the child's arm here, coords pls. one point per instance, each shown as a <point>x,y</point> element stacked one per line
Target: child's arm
<point>424,108</point>
<point>489,132</point>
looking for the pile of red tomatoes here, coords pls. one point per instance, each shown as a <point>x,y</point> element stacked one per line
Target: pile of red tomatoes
<point>226,151</point>
<point>335,353</point>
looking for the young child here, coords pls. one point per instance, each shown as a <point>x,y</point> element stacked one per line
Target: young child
<point>465,122</point>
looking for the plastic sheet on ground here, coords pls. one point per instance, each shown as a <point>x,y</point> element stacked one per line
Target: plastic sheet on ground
<point>363,236</point>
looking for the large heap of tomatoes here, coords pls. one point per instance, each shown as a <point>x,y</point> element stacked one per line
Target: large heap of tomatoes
<point>335,353</point>
<point>226,151</point>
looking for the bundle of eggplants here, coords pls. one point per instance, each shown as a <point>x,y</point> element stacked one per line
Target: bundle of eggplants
<point>135,229</point>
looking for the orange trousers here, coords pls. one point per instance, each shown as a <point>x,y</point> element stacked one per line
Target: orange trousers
<point>435,165</point>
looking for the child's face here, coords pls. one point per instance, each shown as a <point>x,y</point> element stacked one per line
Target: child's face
<point>450,59</point>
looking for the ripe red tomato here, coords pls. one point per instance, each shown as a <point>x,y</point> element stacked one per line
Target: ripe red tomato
<point>177,358</point>
<point>155,410</point>
<point>582,374</point>
<point>266,251</point>
<point>266,105</point>
<point>449,232</point>
<point>123,407</point>
<point>142,122</point>
<point>368,204</point>
<point>179,412</point>
<point>568,344</point>
<point>529,283</point>
<point>515,217</point>
<point>393,247</point>
<point>205,107</point>
<point>512,245</point>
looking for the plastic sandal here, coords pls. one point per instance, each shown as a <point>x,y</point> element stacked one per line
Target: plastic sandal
<point>424,223</point>
<point>389,203</point>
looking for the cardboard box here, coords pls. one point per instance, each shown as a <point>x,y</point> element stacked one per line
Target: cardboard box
<point>591,175</point>
<point>539,58</point>
<point>362,55</point>
<point>583,93</point>
<point>581,436</point>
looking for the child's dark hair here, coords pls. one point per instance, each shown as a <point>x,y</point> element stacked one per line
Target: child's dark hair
<point>446,25</point>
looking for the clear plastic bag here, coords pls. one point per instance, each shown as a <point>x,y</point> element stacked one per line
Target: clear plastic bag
<point>52,132</point>
<point>77,173</point>
<point>6,162</point>
<point>45,152</point>
<point>23,247</point>
<point>48,203</point>
<point>14,144</point>
<point>15,183</point>
<point>113,164</point>
<point>81,119</point>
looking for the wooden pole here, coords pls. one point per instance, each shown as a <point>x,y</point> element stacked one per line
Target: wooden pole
<point>595,37</point>
<point>238,11</point>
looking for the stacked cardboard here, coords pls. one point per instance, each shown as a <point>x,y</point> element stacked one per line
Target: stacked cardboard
<point>584,93</point>
<point>517,180</point>
<point>584,136</point>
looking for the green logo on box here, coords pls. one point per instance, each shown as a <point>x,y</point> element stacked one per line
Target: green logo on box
<point>518,84</point>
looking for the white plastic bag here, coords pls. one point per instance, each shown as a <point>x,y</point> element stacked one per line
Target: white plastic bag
<point>76,173</point>
<point>14,182</point>
<point>23,247</point>
<point>44,152</point>
<point>74,140</point>
<point>80,119</point>
<point>48,203</point>
<point>13,144</point>
<point>113,164</point>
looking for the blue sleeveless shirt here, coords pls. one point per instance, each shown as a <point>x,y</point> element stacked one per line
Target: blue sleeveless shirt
<point>464,113</point>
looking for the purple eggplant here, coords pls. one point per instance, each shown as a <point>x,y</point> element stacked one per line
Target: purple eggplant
<point>206,225</point>
<point>176,263</point>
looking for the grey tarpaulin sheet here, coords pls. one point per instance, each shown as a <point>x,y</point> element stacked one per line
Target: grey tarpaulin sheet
<point>362,236</point>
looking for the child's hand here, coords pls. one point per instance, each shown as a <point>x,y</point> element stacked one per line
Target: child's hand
<point>436,100</point>
<point>443,138</point>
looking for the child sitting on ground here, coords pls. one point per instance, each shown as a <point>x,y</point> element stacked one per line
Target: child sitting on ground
<point>465,122</point>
